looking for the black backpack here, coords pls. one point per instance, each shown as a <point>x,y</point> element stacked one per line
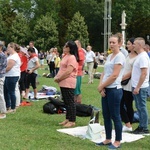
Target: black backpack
<point>83,110</point>
<point>58,106</point>
<point>54,106</point>
<point>49,108</point>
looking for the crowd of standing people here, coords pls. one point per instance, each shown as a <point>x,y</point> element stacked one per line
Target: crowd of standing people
<point>18,69</point>
<point>19,65</point>
<point>117,99</point>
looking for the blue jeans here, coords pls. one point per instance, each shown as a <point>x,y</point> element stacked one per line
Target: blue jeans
<point>140,103</point>
<point>111,111</point>
<point>9,91</point>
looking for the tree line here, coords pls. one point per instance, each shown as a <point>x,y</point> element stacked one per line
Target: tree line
<point>52,22</point>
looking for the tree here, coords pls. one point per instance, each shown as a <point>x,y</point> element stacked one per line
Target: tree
<point>62,12</point>
<point>66,12</point>
<point>137,19</point>
<point>44,7</point>
<point>26,7</point>
<point>93,12</point>
<point>1,28</point>
<point>45,33</point>
<point>20,30</point>
<point>77,29</point>
<point>8,15</point>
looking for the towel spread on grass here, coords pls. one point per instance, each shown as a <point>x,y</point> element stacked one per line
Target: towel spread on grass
<point>40,96</point>
<point>81,132</point>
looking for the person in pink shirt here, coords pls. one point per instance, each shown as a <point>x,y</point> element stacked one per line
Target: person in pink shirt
<point>66,78</point>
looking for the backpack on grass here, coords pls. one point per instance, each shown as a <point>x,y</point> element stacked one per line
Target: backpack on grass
<point>56,106</point>
<point>49,108</point>
<point>83,110</point>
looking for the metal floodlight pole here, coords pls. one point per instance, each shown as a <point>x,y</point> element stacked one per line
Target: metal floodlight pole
<point>109,21</point>
<point>123,27</point>
<point>107,24</point>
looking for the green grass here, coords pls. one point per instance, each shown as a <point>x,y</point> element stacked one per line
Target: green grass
<point>30,129</point>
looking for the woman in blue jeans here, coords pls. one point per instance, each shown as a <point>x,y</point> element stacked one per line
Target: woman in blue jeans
<point>111,92</point>
<point>12,76</point>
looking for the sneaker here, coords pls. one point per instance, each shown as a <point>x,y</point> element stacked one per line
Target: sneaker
<point>126,129</point>
<point>140,130</point>
<point>2,116</point>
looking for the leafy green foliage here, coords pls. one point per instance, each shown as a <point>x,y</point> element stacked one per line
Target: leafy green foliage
<point>26,7</point>
<point>20,30</point>
<point>7,17</point>
<point>45,33</point>
<point>137,11</point>
<point>77,29</point>
<point>41,8</point>
<point>66,13</point>
<point>1,27</point>
<point>62,12</point>
<point>92,11</point>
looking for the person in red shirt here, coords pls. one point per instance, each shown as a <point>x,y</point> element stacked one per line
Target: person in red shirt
<point>23,54</point>
<point>77,92</point>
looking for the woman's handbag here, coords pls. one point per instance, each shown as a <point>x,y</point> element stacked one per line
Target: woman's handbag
<point>94,131</point>
<point>125,82</point>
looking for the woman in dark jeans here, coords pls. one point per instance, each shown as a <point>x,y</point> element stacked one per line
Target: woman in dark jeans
<point>12,76</point>
<point>111,91</point>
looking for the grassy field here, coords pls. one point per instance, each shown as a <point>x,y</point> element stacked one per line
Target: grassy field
<point>30,129</point>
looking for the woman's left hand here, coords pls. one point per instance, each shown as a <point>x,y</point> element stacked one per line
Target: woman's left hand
<point>100,88</point>
<point>56,79</point>
<point>136,91</point>
<point>103,94</point>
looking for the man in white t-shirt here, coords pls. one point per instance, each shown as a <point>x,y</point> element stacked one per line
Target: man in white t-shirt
<point>31,44</point>
<point>90,59</point>
<point>140,83</point>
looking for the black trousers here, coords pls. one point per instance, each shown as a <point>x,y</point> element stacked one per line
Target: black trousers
<point>126,107</point>
<point>52,68</point>
<point>68,98</point>
<point>22,81</point>
<point>31,79</point>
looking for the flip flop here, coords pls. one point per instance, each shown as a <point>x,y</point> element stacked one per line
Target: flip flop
<point>24,103</point>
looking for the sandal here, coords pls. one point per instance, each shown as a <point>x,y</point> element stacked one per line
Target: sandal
<point>69,124</point>
<point>64,122</point>
<point>24,103</point>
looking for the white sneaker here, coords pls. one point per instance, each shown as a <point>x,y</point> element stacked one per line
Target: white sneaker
<point>126,129</point>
